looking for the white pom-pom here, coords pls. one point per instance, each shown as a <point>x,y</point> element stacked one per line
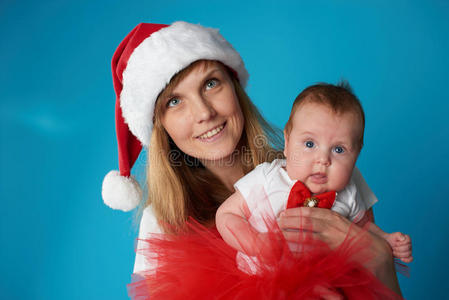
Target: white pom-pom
<point>121,192</point>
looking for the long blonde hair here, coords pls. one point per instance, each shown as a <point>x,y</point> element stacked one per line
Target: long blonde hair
<point>179,187</point>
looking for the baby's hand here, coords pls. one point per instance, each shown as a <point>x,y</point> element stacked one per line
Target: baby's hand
<point>401,245</point>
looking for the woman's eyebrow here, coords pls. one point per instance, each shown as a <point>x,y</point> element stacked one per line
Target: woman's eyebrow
<point>170,96</point>
<point>204,78</point>
<point>212,71</point>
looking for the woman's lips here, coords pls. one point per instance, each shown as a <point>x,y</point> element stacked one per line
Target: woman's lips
<point>318,178</point>
<point>213,134</point>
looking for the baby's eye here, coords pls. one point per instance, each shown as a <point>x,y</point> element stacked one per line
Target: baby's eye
<point>309,144</point>
<point>173,102</point>
<point>339,150</point>
<point>210,84</point>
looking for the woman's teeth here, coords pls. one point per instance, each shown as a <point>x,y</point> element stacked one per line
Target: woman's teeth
<point>212,132</point>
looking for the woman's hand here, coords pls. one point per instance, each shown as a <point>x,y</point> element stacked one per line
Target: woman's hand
<point>333,229</point>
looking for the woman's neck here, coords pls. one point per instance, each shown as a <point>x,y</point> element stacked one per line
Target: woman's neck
<point>228,171</point>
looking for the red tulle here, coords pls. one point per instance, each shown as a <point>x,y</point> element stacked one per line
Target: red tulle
<point>200,265</point>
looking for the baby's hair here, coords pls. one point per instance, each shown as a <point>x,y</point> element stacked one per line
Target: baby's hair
<point>339,98</point>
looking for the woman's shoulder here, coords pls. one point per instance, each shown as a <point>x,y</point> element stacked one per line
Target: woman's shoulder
<point>148,223</point>
<point>148,226</point>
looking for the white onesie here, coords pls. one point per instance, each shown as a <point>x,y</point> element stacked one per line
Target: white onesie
<point>271,181</point>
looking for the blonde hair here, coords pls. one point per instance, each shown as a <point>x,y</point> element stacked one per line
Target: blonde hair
<point>179,187</point>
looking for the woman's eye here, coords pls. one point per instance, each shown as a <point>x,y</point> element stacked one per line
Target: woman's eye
<point>210,84</point>
<point>339,149</point>
<point>173,102</point>
<point>309,144</point>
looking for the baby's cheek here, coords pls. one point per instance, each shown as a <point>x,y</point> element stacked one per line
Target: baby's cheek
<point>297,169</point>
<point>306,157</point>
<point>339,178</point>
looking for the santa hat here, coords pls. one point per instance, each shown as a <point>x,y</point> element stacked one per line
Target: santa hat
<point>142,66</point>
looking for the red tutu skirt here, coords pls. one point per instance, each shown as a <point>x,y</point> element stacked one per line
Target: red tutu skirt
<point>200,265</point>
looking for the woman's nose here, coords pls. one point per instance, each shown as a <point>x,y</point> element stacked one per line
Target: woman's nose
<point>202,110</point>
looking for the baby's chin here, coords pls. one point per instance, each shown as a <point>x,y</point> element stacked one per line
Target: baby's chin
<point>316,188</point>
<point>319,190</point>
<point>322,188</point>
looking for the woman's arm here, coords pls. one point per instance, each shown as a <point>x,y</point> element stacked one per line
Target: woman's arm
<point>333,229</point>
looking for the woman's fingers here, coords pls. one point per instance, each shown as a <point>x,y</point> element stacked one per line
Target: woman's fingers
<point>309,216</point>
<point>300,235</point>
<point>333,229</point>
<point>298,224</point>
<point>318,220</point>
<point>321,224</point>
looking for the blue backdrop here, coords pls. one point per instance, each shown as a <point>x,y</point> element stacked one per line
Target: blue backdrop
<point>58,240</point>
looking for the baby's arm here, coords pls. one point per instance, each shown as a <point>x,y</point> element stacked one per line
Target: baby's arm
<point>399,242</point>
<point>234,227</point>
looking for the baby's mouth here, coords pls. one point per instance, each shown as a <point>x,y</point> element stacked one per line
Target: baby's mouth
<point>318,178</point>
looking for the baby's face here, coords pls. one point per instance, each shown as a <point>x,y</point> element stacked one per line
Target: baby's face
<point>321,149</point>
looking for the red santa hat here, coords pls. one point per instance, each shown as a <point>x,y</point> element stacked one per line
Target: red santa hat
<point>142,66</point>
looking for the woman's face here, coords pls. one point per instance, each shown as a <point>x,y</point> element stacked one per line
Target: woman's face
<point>202,114</point>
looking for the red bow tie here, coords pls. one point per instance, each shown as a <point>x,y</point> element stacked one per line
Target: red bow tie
<point>301,196</point>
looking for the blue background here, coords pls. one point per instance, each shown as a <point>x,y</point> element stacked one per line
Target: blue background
<point>59,241</point>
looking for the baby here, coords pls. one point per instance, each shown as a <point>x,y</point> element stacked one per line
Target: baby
<point>323,138</point>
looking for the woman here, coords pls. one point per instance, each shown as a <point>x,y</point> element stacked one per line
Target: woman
<point>179,93</point>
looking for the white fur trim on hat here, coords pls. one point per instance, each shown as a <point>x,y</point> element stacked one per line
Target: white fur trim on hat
<point>160,56</point>
<point>121,192</point>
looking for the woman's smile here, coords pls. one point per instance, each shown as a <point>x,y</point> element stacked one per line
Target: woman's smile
<point>212,134</point>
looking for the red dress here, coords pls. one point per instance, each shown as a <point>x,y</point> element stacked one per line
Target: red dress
<point>200,265</point>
